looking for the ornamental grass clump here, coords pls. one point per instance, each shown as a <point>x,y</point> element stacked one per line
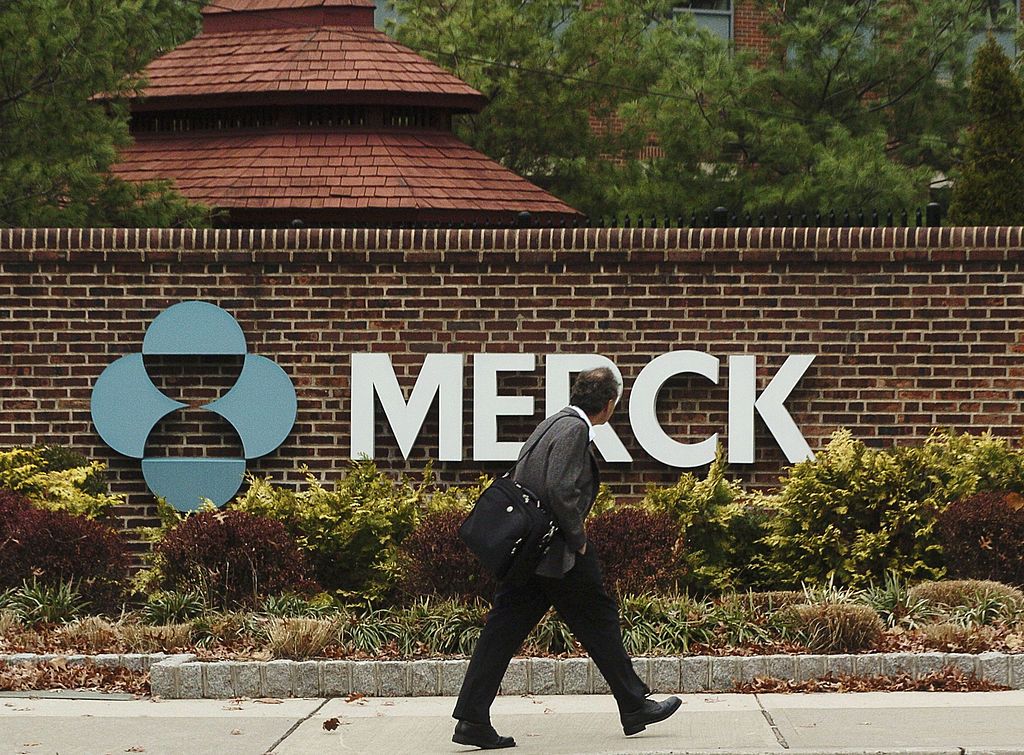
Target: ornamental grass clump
<point>170,607</point>
<point>165,638</point>
<point>91,634</point>
<point>973,602</point>
<point>835,627</point>
<point>949,637</point>
<point>300,639</point>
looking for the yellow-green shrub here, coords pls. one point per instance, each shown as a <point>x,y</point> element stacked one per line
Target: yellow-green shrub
<point>349,531</point>
<point>57,479</point>
<point>854,514</point>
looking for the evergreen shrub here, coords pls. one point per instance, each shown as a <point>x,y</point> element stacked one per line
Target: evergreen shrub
<point>57,478</point>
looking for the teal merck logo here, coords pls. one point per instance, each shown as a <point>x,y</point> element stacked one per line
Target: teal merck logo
<point>126,405</point>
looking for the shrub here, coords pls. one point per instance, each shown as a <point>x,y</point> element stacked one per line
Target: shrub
<point>349,533</point>
<point>720,532</point>
<point>835,627</point>
<point>57,479</point>
<point>231,558</point>
<point>432,560</point>
<point>640,550</point>
<point>54,548</point>
<point>982,537</point>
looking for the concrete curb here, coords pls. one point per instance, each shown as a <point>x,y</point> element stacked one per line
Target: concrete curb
<point>183,677</point>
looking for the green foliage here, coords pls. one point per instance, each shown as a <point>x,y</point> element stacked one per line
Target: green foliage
<point>895,604</point>
<point>719,530</point>
<point>856,99</point>
<point>854,514</point>
<point>56,140</point>
<point>57,479</point>
<point>36,602</point>
<point>350,532</point>
<point>172,608</point>
<point>990,178</point>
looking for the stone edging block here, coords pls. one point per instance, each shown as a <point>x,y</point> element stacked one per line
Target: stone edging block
<point>183,676</point>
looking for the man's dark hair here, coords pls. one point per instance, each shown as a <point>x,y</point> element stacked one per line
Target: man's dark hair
<point>593,389</point>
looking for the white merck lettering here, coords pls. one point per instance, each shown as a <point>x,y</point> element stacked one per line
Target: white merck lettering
<point>442,375</point>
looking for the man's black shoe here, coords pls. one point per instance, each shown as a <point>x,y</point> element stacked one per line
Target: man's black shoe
<point>649,713</point>
<point>480,735</point>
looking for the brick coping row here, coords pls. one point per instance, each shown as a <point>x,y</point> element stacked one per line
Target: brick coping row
<point>182,676</point>
<point>520,245</point>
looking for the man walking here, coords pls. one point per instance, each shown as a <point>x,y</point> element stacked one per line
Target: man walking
<point>561,470</point>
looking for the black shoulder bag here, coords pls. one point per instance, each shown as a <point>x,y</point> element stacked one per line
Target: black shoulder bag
<point>509,529</point>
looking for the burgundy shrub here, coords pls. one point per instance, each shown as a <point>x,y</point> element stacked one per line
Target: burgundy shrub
<point>982,537</point>
<point>639,550</point>
<point>436,562</point>
<point>55,547</point>
<point>233,558</point>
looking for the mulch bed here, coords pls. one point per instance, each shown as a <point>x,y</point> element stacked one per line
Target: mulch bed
<point>946,680</point>
<point>57,674</point>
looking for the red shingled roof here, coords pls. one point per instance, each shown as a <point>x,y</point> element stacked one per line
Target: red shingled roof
<point>350,170</point>
<point>228,6</point>
<point>352,61</point>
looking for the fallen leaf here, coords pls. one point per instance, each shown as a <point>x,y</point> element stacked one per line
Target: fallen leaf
<point>136,748</point>
<point>235,732</point>
<point>267,700</point>
<point>331,724</point>
<point>388,702</point>
<point>353,697</point>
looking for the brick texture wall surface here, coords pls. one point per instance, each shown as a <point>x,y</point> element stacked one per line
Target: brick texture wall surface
<point>914,329</point>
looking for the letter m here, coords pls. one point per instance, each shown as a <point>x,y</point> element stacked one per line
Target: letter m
<point>441,375</point>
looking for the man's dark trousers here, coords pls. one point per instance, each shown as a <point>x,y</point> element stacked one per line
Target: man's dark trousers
<point>592,616</point>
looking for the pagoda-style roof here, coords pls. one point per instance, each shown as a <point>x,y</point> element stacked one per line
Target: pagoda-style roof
<point>285,110</point>
<point>427,175</point>
<point>284,51</point>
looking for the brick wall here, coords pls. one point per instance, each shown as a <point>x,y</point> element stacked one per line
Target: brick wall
<point>749,18</point>
<point>913,328</point>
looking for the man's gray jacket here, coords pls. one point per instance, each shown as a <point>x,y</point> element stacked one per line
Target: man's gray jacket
<point>562,471</point>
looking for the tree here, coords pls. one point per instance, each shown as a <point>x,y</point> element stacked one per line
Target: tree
<point>988,185</point>
<point>858,101</point>
<point>551,69</point>
<point>57,139</point>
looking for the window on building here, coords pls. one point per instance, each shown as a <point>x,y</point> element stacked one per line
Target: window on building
<point>1001,19</point>
<point>714,15</point>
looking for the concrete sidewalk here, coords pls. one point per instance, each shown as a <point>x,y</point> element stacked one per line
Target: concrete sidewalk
<point>873,722</point>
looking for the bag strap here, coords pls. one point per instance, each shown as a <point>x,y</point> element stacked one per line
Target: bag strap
<point>524,454</point>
